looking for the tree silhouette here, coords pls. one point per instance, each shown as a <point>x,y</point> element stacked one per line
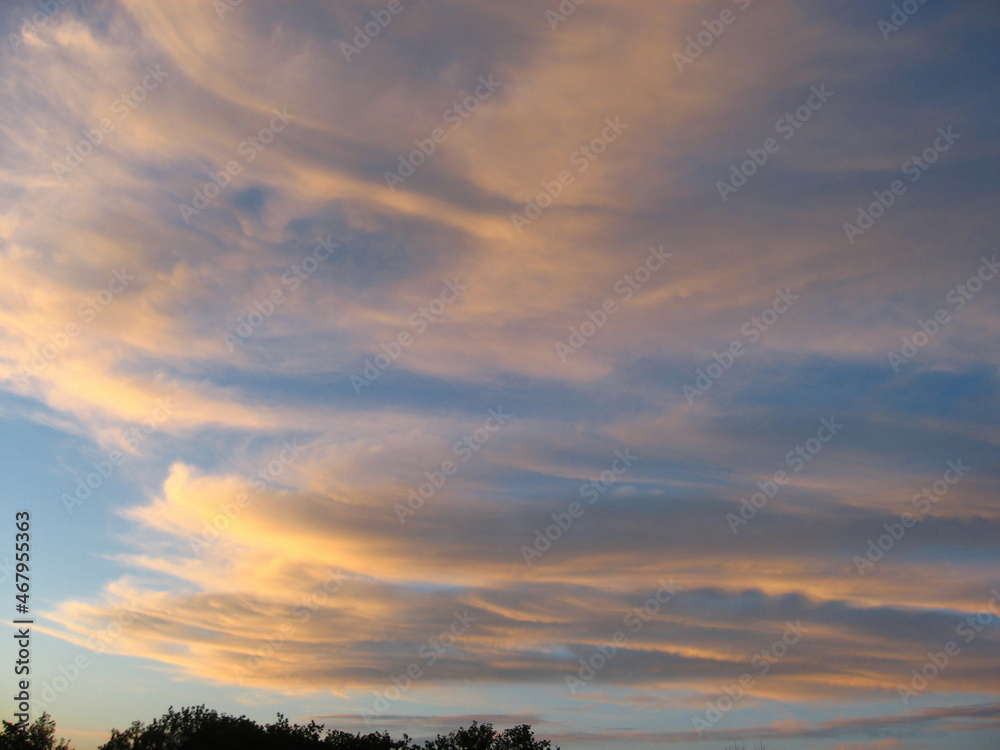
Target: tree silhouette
<point>40,735</point>
<point>484,737</point>
<point>199,728</point>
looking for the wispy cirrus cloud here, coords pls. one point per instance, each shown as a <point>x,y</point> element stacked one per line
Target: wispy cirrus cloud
<point>200,613</point>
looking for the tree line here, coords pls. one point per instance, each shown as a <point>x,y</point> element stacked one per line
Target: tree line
<point>200,728</point>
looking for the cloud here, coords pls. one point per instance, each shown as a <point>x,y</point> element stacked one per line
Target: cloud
<point>933,720</point>
<point>203,277</point>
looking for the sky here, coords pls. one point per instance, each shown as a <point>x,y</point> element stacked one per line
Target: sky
<point>627,368</point>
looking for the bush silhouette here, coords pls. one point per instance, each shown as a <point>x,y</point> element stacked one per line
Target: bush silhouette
<point>40,735</point>
<point>199,728</point>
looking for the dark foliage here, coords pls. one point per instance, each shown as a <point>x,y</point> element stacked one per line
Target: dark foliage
<point>199,728</point>
<point>41,735</point>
